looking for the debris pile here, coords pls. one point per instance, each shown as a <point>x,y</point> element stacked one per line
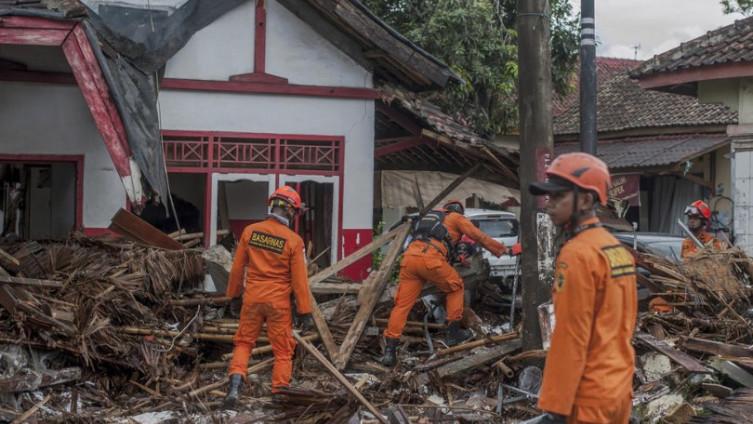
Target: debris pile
<point>693,342</point>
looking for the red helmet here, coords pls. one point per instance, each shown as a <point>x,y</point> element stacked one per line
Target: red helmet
<point>287,195</point>
<point>455,206</point>
<point>580,169</point>
<point>700,208</point>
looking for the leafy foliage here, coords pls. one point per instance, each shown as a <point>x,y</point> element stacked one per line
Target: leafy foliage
<point>478,40</point>
<point>738,6</point>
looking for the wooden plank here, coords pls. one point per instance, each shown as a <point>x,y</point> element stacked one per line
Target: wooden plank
<point>431,205</point>
<point>688,362</point>
<point>353,257</point>
<point>341,378</point>
<point>26,415</point>
<point>8,261</point>
<point>141,231</point>
<point>733,371</point>
<point>24,382</point>
<point>716,348</point>
<point>30,282</point>
<point>478,343</point>
<point>375,285</point>
<point>481,357</point>
<point>336,288</point>
<point>321,327</point>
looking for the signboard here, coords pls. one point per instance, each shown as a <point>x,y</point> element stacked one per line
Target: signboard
<point>626,187</point>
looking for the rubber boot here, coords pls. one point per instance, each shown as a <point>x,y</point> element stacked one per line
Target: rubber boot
<point>457,335</point>
<point>233,391</point>
<point>390,352</point>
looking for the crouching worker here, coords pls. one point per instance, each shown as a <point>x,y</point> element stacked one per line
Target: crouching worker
<point>588,376</point>
<point>426,259</point>
<point>273,259</point>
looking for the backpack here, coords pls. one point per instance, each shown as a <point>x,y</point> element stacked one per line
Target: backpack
<point>431,226</point>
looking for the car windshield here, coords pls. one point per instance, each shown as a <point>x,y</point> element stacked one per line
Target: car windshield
<point>670,248</point>
<point>497,227</point>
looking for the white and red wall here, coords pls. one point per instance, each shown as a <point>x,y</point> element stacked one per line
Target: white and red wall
<point>259,72</point>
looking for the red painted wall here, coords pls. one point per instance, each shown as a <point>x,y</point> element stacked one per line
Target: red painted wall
<point>352,241</point>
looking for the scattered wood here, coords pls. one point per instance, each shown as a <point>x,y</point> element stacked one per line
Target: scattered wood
<point>35,380</point>
<point>481,357</point>
<point>137,229</point>
<point>477,343</point>
<point>372,291</point>
<point>9,262</point>
<point>716,348</point>
<point>336,288</point>
<point>733,371</point>
<point>34,282</point>
<point>209,300</point>
<point>688,362</point>
<point>26,415</point>
<point>335,373</point>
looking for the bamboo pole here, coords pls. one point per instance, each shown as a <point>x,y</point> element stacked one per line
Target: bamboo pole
<point>478,343</point>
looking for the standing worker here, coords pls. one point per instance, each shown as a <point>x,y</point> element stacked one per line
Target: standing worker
<point>588,376</point>
<point>427,258</point>
<point>273,258</point>
<point>699,217</point>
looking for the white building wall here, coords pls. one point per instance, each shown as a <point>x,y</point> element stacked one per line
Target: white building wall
<point>352,119</point>
<point>47,119</point>
<point>294,51</point>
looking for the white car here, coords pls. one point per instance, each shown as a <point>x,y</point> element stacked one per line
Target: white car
<point>503,227</point>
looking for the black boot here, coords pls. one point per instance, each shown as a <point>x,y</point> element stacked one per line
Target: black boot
<point>457,335</point>
<point>233,390</point>
<point>390,352</point>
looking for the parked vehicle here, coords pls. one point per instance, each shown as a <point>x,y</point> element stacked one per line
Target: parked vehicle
<point>503,227</point>
<point>660,244</point>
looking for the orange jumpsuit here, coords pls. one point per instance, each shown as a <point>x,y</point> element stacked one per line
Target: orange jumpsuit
<point>589,369</point>
<point>427,261</point>
<point>272,255</point>
<point>689,248</point>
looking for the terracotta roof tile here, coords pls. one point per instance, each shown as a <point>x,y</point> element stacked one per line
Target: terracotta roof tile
<point>728,44</point>
<point>624,105</point>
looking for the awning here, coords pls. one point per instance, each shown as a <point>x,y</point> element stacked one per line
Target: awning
<point>633,153</point>
<point>397,188</point>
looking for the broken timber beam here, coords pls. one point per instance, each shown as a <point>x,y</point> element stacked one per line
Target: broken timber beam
<point>478,343</point>
<point>372,291</point>
<point>9,261</point>
<point>336,288</point>
<point>35,380</point>
<point>444,193</point>
<point>137,229</point>
<point>341,378</point>
<point>478,359</point>
<point>30,282</point>
<point>716,348</point>
<point>688,362</point>
<point>210,300</point>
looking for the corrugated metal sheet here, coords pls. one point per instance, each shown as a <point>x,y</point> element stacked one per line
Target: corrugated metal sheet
<point>651,152</point>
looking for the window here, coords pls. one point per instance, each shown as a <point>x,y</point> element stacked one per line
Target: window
<point>497,227</point>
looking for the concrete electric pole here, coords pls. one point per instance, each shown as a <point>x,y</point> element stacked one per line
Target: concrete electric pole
<point>535,104</point>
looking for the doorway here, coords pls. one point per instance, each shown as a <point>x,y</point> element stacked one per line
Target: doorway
<point>319,225</point>
<point>237,201</point>
<point>40,198</point>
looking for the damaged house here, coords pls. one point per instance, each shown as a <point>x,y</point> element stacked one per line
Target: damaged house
<point>215,102</point>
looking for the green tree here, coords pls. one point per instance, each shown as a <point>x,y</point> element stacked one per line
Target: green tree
<point>738,6</point>
<point>478,40</point>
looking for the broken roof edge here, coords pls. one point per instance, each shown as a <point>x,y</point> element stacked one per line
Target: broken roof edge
<point>451,75</point>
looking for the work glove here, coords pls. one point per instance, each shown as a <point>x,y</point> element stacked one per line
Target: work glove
<point>547,418</point>
<point>307,323</point>
<point>515,250</point>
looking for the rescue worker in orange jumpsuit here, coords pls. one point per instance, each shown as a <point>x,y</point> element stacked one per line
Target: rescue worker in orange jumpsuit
<point>699,216</point>
<point>589,369</point>
<point>427,260</point>
<point>273,258</point>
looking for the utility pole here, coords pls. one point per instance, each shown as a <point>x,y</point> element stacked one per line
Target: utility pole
<point>588,132</point>
<point>535,110</point>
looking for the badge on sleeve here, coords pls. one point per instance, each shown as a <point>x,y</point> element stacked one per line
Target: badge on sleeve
<point>559,277</point>
<point>620,261</point>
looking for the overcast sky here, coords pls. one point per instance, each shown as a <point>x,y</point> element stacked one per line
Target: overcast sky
<point>657,25</point>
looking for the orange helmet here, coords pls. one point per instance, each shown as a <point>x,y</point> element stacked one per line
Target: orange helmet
<point>575,169</point>
<point>287,195</point>
<point>700,208</point>
<point>454,206</point>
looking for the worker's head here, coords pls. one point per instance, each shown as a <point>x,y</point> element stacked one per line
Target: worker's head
<point>699,215</point>
<point>285,201</point>
<point>454,206</point>
<point>576,184</point>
